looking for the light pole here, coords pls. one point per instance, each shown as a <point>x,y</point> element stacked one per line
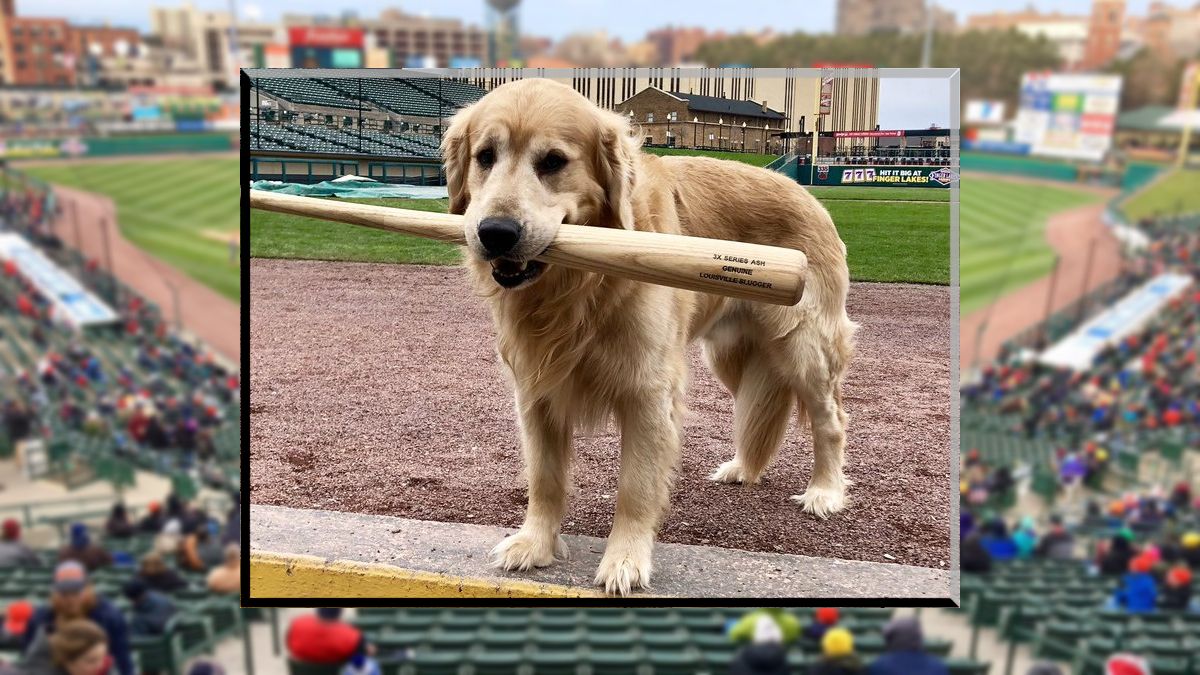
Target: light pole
<point>695,121</point>
<point>720,122</point>
<point>669,129</point>
<point>743,136</point>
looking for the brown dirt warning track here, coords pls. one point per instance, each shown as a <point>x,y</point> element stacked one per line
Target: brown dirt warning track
<point>375,389</point>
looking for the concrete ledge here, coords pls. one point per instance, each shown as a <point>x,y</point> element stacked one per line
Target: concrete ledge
<point>303,553</point>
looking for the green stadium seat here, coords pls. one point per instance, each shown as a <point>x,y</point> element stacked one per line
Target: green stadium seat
<point>673,661</point>
<point>437,662</point>
<point>611,663</point>
<point>162,653</point>
<point>556,662</point>
<point>495,662</point>
<point>302,668</point>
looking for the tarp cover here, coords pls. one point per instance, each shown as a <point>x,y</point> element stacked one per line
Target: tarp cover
<point>1080,348</point>
<point>356,187</point>
<point>73,303</point>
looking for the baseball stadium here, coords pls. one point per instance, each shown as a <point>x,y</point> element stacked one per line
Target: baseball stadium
<point>326,324</point>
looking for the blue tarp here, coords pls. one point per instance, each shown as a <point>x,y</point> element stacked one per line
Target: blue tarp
<point>361,188</point>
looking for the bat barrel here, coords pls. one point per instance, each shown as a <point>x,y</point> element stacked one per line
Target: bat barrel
<point>730,268</point>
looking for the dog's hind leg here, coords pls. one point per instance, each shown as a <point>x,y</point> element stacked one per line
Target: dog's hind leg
<point>817,378</point>
<point>546,442</point>
<point>762,404</point>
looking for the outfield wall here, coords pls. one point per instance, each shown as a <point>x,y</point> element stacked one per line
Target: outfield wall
<point>109,146</point>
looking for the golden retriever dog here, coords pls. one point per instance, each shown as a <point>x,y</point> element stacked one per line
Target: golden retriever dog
<point>584,348</point>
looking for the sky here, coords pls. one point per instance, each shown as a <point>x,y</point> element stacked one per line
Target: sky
<point>627,19</point>
<point>904,103</point>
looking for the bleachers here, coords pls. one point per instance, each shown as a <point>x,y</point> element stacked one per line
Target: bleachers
<point>686,640</point>
<point>1056,608</point>
<point>203,620</point>
<point>306,91</point>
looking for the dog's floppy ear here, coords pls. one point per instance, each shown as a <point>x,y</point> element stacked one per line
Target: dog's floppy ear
<point>456,155</point>
<point>616,160</point>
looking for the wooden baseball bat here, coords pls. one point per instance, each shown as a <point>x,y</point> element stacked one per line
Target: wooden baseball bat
<point>732,268</point>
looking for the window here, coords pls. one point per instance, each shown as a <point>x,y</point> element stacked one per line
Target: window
<point>673,116</point>
<point>649,117</point>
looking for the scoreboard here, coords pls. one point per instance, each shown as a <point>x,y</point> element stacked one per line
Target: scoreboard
<point>1068,116</point>
<point>326,47</point>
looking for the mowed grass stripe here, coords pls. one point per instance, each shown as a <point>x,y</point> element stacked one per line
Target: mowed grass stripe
<point>1002,242</point>
<point>163,207</point>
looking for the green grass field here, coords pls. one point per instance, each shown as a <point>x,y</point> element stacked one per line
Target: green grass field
<point>1176,193</point>
<point>1001,239</point>
<point>279,235</point>
<point>178,210</point>
<point>876,253</point>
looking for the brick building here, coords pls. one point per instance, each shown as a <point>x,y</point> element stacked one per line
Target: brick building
<point>1104,33</point>
<point>854,105</point>
<point>34,51</point>
<point>408,36</point>
<point>679,45</point>
<point>863,17</point>
<point>685,120</point>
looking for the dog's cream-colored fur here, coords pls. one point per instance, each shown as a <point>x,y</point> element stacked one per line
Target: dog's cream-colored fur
<point>583,348</point>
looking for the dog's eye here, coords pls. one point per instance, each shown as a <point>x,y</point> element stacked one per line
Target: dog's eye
<point>553,162</point>
<point>486,158</point>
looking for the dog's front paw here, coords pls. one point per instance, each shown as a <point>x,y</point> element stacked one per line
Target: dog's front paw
<point>822,502</point>
<point>729,472</point>
<point>623,571</point>
<point>523,551</point>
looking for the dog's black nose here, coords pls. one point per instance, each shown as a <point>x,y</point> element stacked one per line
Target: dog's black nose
<point>499,235</point>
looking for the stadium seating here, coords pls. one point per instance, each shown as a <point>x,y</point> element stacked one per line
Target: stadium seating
<point>684,640</point>
<point>84,388</point>
<point>306,91</point>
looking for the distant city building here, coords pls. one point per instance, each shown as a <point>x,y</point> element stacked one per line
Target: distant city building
<point>1105,27</point>
<point>863,17</point>
<point>34,51</point>
<point>677,45</point>
<point>854,105</point>
<point>197,45</point>
<point>1172,32</point>
<point>409,38</point>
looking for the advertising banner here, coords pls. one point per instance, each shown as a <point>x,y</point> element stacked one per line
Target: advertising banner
<point>984,112</point>
<point>883,176</point>
<point>884,133</point>
<point>1070,116</point>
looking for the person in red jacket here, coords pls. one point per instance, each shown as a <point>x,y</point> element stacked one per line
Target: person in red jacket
<point>324,638</point>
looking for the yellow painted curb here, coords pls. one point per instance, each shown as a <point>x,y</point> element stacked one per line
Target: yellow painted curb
<point>274,575</point>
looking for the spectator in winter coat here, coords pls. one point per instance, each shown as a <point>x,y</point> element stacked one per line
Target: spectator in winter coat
<point>837,655</point>
<point>73,597</point>
<point>1177,591</point>
<point>151,610</point>
<point>13,553</point>
<point>82,549</point>
<point>823,619</point>
<point>1116,560</point>
<point>765,655</point>
<point>1137,592</point>
<point>158,576</point>
<point>118,525</point>
<point>905,651</point>
<point>1057,544</point>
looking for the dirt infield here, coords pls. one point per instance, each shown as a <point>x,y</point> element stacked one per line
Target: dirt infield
<point>375,389</point>
<point>1070,234</point>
